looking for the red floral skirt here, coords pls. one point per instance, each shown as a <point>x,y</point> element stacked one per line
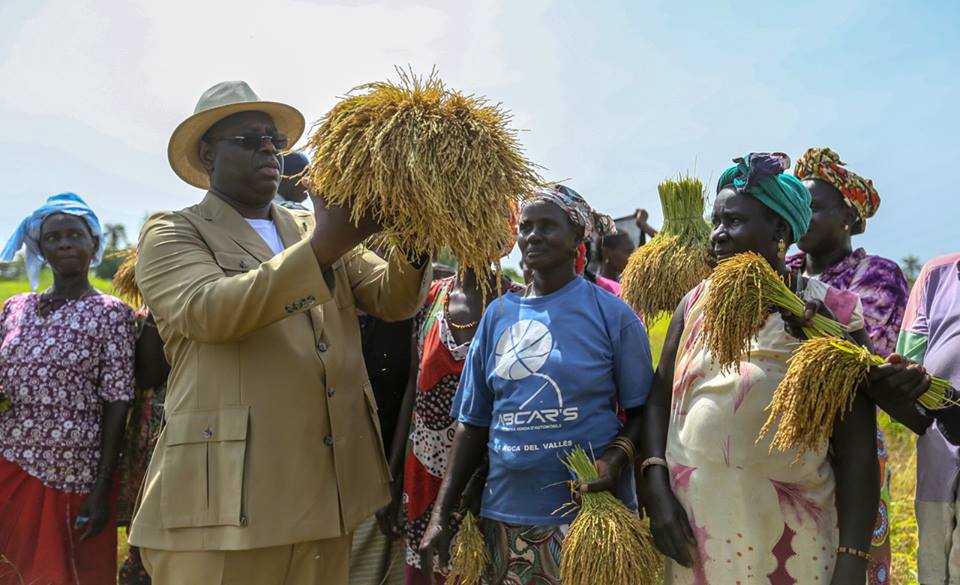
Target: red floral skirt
<point>37,539</point>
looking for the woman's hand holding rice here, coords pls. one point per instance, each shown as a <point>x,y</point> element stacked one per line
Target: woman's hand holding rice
<point>794,325</point>
<point>668,520</point>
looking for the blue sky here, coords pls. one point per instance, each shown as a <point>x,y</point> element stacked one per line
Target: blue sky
<point>614,96</point>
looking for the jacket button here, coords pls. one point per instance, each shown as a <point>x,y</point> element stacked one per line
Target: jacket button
<point>322,347</point>
<point>207,433</point>
<point>243,520</point>
<point>331,392</point>
<point>328,441</point>
<point>243,264</point>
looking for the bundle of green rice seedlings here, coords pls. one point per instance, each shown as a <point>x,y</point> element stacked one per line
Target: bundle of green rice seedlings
<point>607,544</point>
<point>661,272</point>
<point>125,279</point>
<point>742,289</point>
<point>434,167</point>
<point>820,385</point>
<point>470,555</point>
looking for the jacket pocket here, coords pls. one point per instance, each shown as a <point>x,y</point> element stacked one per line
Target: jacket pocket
<point>201,481</point>
<point>235,262</point>
<point>373,413</point>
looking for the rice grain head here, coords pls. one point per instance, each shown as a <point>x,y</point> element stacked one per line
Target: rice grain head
<point>606,544</point>
<point>820,386</point>
<point>734,308</point>
<point>125,279</point>
<point>434,167</point>
<point>818,389</point>
<point>743,290</point>
<point>470,555</point>
<point>659,273</point>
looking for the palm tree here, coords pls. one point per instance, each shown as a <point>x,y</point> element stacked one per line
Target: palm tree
<point>116,236</point>
<point>911,268</point>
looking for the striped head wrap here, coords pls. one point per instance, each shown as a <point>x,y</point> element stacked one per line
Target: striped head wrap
<point>576,208</point>
<point>825,164</point>
<point>760,174</point>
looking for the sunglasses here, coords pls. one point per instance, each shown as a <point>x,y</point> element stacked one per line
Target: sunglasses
<point>254,141</point>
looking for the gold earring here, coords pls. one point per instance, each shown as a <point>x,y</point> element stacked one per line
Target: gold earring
<point>782,249</point>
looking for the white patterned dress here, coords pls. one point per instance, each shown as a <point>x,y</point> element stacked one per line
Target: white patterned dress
<point>758,517</point>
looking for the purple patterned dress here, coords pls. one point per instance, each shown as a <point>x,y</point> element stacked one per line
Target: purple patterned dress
<point>882,288</point>
<point>883,291</point>
<point>58,370</point>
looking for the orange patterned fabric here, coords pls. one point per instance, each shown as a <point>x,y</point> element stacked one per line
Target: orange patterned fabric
<point>825,164</point>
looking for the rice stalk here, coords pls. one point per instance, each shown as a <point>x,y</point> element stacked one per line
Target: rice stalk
<point>607,544</point>
<point>436,168</point>
<point>661,272</point>
<point>820,385</point>
<point>470,555</point>
<point>125,279</point>
<point>742,291</point>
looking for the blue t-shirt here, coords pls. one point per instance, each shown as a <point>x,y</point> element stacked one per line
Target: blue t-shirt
<point>545,374</point>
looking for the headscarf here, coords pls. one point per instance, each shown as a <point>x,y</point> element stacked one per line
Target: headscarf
<point>28,233</point>
<point>576,208</point>
<point>760,174</point>
<point>825,164</point>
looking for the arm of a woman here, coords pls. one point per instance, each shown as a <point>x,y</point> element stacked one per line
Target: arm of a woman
<point>857,472</point>
<point>96,506</point>
<point>388,517</point>
<point>668,520</point>
<point>466,454</point>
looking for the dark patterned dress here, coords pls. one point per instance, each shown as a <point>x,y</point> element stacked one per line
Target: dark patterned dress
<point>432,429</point>
<point>143,428</point>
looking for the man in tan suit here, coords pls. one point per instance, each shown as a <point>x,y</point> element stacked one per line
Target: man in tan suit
<point>271,452</point>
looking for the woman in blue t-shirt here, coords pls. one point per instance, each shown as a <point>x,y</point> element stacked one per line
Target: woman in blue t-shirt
<point>546,373</point>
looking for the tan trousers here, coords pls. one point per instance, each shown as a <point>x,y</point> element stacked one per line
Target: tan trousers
<point>320,562</point>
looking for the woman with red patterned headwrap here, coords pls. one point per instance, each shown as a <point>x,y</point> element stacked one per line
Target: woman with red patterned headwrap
<point>842,202</point>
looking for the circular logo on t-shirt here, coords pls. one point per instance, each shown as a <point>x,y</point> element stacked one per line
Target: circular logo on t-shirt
<point>523,349</point>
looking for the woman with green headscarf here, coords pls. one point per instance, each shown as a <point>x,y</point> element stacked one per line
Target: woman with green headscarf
<point>722,505</point>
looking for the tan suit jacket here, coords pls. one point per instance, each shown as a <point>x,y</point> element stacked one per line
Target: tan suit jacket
<point>271,433</point>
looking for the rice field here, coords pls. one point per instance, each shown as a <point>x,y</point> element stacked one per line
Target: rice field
<point>901,444</point>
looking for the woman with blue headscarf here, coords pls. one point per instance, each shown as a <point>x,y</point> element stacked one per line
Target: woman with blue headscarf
<point>723,506</point>
<point>66,367</point>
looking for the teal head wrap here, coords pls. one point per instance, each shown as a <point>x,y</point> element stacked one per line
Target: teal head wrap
<point>760,174</point>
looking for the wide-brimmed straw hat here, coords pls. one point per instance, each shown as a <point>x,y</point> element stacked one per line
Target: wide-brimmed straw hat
<point>218,102</point>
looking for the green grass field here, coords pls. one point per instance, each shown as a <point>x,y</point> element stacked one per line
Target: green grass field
<point>8,288</point>
<point>902,446</point>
